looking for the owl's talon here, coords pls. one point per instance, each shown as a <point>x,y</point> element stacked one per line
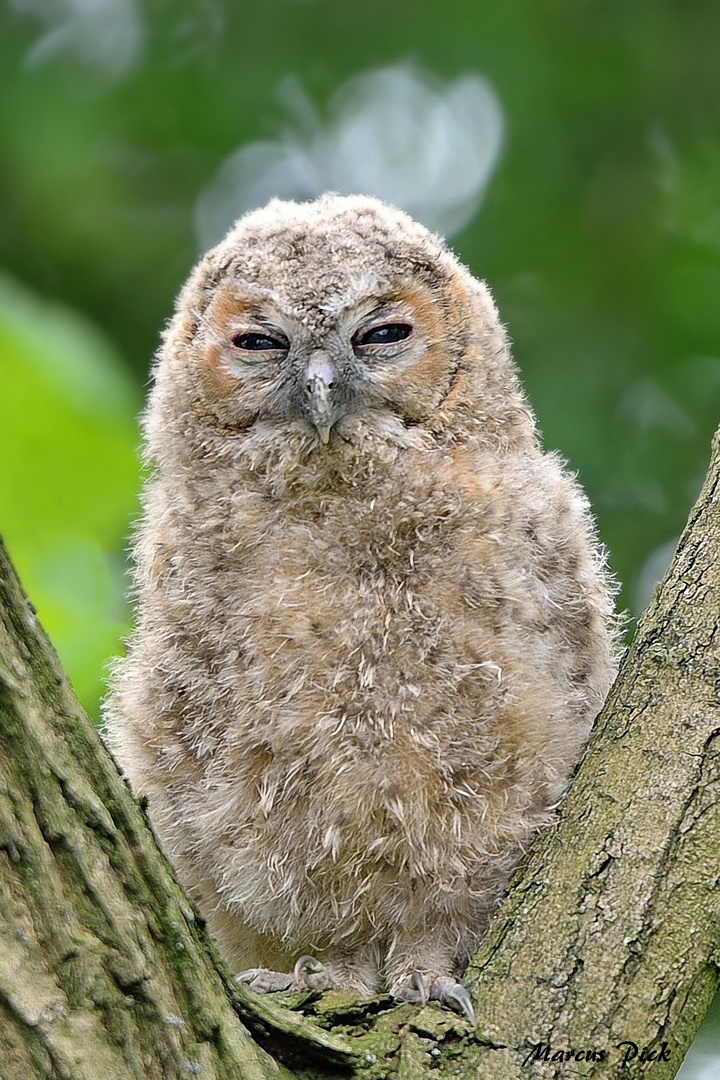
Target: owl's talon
<point>413,990</point>
<point>312,973</point>
<point>453,994</point>
<point>417,984</point>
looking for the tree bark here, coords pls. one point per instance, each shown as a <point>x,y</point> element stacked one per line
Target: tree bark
<point>609,934</point>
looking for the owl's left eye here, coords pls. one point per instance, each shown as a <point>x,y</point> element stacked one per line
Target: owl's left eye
<point>252,342</point>
<point>387,334</point>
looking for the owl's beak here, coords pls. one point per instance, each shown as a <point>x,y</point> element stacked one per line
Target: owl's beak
<point>320,377</point>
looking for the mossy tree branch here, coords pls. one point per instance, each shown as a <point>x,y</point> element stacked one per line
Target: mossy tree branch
<point>610,933</point>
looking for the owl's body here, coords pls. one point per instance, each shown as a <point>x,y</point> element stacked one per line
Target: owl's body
<point>374,625</point>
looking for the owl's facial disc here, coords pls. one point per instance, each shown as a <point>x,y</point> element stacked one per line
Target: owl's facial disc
<point>324,362</point>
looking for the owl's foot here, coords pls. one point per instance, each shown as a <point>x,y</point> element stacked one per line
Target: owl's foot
<point>443,988</point>
<point>342,973</point>
<point>308,973</point>
<point>264,981</point>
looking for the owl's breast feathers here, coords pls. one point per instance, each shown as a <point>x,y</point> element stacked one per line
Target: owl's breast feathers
<point>399,628</point>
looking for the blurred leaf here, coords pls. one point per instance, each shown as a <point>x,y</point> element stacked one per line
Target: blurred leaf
<point>69,478</point>
<point>105,35</point>
<point>396,133</point>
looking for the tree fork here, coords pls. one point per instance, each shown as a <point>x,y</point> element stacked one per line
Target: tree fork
<point>610,933</point>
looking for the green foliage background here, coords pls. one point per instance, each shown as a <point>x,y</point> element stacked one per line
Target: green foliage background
<point>599,235</point>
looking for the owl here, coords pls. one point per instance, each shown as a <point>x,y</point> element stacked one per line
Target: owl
<point>374,622</point>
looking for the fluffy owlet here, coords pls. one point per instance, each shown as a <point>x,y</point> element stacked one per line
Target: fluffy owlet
<point>374,624</point>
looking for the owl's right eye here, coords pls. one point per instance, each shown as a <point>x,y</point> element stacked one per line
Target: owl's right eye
<point>387,334</point>
<point>253,342</point>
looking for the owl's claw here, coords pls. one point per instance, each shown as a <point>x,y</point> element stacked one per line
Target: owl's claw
<point>414,990</point>
<point>312,973</point>
<point>444,988</point>
<point>450,992</point>
<point>417,985</point>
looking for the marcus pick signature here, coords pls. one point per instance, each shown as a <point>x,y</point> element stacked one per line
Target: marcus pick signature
<point>627,1050</point>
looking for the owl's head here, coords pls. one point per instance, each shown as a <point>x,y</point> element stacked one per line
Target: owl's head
<point>327,318</point>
